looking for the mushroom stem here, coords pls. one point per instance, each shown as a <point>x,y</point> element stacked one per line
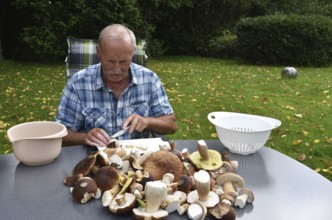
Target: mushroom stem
<point>155,193</point>
<point>203,150</point>
<point>120,200</point>
<point>202,182</point>
<point>228,187</point>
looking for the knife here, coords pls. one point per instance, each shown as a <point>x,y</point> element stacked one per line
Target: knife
<point>121,132</point>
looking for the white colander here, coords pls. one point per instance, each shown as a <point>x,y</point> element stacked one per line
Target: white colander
<point>242,133</point>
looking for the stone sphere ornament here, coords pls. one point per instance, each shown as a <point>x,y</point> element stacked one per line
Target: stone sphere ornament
<point>289,72</point>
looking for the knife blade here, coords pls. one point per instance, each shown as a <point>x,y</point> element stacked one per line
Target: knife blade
<point>121,132</point>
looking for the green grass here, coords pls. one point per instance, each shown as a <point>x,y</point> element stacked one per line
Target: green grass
<point>197,86</point>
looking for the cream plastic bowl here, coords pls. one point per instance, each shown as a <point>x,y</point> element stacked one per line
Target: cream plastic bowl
<point>242,133</point>
<point>38,142</point>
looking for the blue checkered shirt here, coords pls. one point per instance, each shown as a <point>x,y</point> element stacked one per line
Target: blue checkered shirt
<point>87,103</point>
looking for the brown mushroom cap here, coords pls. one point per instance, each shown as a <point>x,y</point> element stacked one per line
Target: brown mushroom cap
<point>106,177</point>
<point>84,166</point>
<point>84,189</point>
<point>223,211</point>
<point>161,162</point>
<point>247,192</point>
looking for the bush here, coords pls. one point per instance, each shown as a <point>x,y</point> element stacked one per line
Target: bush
<point>224,45</point>
<point>285,40</point>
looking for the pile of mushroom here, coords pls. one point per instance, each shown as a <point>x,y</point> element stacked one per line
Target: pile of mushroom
<point>153,184</point>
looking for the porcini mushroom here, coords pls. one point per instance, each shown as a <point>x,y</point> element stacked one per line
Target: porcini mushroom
<point>204,158</point>
<point>230,181</point>
<point>202,193</point>
<point>155,193</point>
<point>245,196</point>
<point>161,162</point>
<point>84,166</point>
<point>85,189</point>
<point>223,211</point>
<point>106,177</point>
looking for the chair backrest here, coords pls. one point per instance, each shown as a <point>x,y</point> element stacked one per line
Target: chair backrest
<point>82,53</point>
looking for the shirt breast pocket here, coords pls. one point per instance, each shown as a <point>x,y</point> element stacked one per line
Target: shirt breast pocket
<point>94,118</point>
<point>141,108</point>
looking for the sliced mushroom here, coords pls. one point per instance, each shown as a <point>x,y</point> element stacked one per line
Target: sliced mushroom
<point>197,211</point>
<point>109,195</point>
<point>171,203</point>
<point>206,159</point>
<point>123,204</point>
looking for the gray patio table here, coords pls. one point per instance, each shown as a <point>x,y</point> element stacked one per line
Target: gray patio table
<point>283,187</point>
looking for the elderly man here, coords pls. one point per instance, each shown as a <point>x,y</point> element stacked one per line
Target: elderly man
<point>107,97</point>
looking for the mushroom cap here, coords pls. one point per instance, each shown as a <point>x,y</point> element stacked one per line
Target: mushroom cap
<point>249,193</point>
<point>184,184</point>
<point>236,179</point>
<point>140,214</point>
<point>223,211</point>
<point>214,162</point>
<point>212,200</point>
<point>84,166</point>
<point>106,177</point>
<point>161,162</point>
<point>84,189</point>
<point>126,205</point>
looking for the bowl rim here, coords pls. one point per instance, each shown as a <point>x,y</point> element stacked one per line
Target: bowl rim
<point>213,116</point>
<point>63,132</point>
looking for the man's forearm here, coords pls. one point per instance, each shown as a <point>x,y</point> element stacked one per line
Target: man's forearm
<point>165,124</point>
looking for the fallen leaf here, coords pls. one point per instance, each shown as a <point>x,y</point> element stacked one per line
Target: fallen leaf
<point>316,141</point>
<point>297,142</point>
<point>214,135</point>
<point>305,133</point>
<point>298,115</point>
<point>301,157</point>
<point>318,169</point>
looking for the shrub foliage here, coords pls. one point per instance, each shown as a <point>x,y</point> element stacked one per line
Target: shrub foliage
<point>285,40</point>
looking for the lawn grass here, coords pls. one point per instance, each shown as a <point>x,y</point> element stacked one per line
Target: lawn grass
<point>197,86</point>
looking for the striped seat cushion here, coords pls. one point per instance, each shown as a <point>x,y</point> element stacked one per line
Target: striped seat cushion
<point>82,53</point>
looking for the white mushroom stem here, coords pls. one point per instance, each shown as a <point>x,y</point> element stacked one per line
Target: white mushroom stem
<point>168,178</point>
<point>182,209</point>
<point>197,211</point>
<point>155,193</point>
<point>203,150</point>
<point>228,187</point>
<point>185,153</point>
<point>171,203</point>
<point>120,200</point>
<point>241,201</point>
<point>202,182</point>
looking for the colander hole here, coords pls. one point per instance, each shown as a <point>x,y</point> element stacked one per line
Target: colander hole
<point>242,129</point>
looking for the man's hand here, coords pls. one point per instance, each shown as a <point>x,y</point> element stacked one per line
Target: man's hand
<point>136,123</point>
<point>165,124</point>
<point>96,137</point>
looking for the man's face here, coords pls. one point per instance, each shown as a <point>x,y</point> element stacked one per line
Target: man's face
<point>115,58</point>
